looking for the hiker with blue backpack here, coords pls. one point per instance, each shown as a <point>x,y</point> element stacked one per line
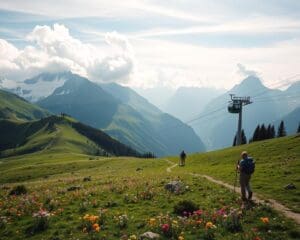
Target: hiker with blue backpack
<point>246,167</point>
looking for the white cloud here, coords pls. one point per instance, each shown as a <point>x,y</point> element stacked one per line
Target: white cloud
<point>244,71</point>
<point>146,62</point>
<point>56,50</point>
<point>252,26</point>
<point>118,66</point>
<point>7,50</point>
<point>196,65</point>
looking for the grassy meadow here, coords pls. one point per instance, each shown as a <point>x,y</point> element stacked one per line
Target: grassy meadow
<point>277,165</point>
<point>71,195</point>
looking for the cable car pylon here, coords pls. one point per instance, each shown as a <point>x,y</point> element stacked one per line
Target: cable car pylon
<point>236,106</point>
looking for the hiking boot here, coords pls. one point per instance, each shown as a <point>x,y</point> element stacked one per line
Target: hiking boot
<point>250,196</point>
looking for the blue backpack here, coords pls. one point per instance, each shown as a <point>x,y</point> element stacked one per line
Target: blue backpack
<point>248,165</point>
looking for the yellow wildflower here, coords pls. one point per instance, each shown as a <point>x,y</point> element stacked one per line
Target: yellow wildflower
<point>133,237</point>
<point>210,225</point>
<point>152,222</point>
<point>265,220</point>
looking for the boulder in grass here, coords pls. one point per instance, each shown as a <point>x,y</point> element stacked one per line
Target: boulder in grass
<point>290,186</point>
<point>87,179</point>
<point>149,235</point>
<point>18,190</point>
<point>73,188</point>
<point>176,187</point>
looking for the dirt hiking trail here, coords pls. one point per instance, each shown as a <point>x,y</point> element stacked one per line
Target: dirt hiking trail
<point>258,199</point>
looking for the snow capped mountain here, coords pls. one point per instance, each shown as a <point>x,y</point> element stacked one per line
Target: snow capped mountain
<point>37,88</point>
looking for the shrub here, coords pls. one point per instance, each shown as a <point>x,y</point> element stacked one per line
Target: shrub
<point>41,222</point>
<point>185,206</point>
<point>294,234</point>
<point>18,190</point>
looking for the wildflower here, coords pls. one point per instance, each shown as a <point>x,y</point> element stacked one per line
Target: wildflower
<point>257,238</point>
<point>199,221</point>
<point>41,214</point>
<point>180,238</point>
<point>198,212</point>
<point>96,227</point>
<point>132,237</point>
<point>209,225</point>
<point>91,218</point>
<point>152,222</point>
<point>84,230</point>
<point>265,220</point>
<point>175,222</point>
<point>165,227</point>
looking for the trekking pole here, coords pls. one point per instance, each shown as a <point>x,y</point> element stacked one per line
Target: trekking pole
<point>235,179</point>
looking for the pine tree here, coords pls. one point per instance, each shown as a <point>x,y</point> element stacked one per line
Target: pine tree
<point>262,132</point>
<point>273,133</point>
<point>269,133</point>
<point>298,130</point>
<point>281,130</point>
<point>256,134</point>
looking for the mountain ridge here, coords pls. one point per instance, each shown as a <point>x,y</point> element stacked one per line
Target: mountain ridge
<point>218,129</point>
<point>16,108</point>
<point>127,117</point>
<point>58,134</point>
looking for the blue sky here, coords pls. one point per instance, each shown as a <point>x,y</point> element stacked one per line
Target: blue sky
<point>168,43</point>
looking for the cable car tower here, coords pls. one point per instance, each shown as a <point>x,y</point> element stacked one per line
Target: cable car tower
<point>236,106</point>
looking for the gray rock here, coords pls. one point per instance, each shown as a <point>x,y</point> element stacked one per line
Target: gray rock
<point>290,186</point>
<point>87,179</point>
<point>176,187</point>
<point>149,235</point>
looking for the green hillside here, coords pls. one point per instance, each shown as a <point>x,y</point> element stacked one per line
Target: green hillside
<point>291,121</point>
<point>124,115</point>
<point>14,107</point>
<point>90,197</point>
<point>150,129</point>
<point>277,165</point>
<point>57,134</point>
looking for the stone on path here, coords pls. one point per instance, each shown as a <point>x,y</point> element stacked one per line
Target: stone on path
<point>149,235</point>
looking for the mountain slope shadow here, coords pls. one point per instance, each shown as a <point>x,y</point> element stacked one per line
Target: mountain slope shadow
<point>83,100</point>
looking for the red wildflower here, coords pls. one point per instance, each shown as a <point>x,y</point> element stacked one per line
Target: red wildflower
<point>165,227</point>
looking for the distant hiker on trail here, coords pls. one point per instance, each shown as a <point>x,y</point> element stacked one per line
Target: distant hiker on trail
<point>182,158</point>
<point>246,167</point>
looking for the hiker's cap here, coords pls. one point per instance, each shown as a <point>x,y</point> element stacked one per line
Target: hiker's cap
<point>244,153</point>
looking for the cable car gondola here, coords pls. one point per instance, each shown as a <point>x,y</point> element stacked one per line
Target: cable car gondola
<point>234,106</point>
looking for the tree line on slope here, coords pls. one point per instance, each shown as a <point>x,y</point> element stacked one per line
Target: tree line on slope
<point>262,132</point>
